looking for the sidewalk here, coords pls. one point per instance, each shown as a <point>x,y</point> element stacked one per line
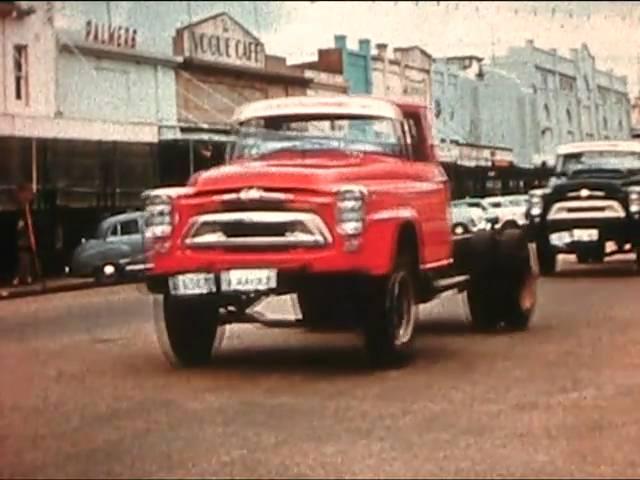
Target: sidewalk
<point>51,285</point>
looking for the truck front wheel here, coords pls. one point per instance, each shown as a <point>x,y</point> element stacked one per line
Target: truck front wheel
<point>191,325</point>
<point>389,324</point>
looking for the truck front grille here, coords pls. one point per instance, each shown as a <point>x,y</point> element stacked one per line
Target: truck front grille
<point>257,229</point>
<point>586,209</point>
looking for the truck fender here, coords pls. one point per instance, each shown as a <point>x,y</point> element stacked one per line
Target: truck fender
<point>399,220</point>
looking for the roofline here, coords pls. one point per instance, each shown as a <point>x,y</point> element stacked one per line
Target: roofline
<point>216,15</point>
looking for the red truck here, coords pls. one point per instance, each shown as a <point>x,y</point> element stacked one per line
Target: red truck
<point>342,201</point>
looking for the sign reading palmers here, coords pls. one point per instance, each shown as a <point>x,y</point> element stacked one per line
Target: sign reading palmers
<point>115,36</point>
<point>222,39</point>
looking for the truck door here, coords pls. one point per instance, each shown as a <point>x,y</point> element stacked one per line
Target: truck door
<point>433,206</point>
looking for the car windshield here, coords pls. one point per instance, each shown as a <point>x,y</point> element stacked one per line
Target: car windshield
<point>570,163</point>
<point>261,138</point>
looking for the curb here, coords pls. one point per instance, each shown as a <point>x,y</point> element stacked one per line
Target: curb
<point>48,290</point>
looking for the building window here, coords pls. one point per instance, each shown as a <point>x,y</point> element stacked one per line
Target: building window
<point>569,117</point>
<point>20,72</point>
<point>566,84</point>
<point>605,123</point>
<point>547,113</point>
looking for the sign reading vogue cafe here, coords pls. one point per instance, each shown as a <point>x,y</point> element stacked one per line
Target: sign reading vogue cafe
<point>221,39</point>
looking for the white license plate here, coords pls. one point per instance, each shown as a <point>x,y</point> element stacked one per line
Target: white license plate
<point>248,280</point>
<point>192,284</point>
<point>585,234</point>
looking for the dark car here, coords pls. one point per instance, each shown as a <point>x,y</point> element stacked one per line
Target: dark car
<point>116,251</point>
<point>591,207</point>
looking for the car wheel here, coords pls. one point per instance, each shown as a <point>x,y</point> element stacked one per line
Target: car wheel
<point>109,273</point>
<point>191,326</point>
<point>460,229</point>
<point>390,323</point>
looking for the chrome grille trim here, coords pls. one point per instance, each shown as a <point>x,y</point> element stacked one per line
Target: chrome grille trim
<point>585,209</point>
<point>316,235</point>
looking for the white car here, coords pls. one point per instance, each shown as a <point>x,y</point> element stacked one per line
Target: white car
<point>511,210</point>
<point>471,215</point>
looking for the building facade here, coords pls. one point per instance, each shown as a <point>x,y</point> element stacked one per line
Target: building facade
<point>573,99</point>
<point>340,69</point>
<point>405,73</point>
<point>83,100</point>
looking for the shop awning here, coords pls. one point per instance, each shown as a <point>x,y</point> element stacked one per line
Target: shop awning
<point>72,129</point>
<point>196,134</point>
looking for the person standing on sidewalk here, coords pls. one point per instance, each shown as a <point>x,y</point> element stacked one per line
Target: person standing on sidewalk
<point>25,256</point>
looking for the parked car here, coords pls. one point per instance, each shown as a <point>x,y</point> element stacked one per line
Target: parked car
<point>478,205</point>
<point>511,210</point>
<point>115,252</point>
<point>465,219</point>
<point>340,200</point>
<point>592,206</point>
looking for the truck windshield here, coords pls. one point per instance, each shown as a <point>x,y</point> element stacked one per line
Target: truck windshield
<point>260,138</point>
<point>570,163</point>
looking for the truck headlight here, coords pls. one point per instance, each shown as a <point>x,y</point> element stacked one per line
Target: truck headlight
<point>536,203</point>
<point>158,218</point>
<point>350,212</point>
<point>634,200</point>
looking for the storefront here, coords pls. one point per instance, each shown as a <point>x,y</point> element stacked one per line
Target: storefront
<point>223,66</point>
<point>481,170</point>
<point>87,143</point>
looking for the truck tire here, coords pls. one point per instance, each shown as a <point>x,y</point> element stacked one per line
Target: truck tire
<point>518,282</point>
<point>391,314</point>
<point>482,294</point>
<point>191,326</point>
<point>583,257</point>
<point>547,258</point>
<point>502,284</point>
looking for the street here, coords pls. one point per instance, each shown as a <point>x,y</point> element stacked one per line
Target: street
<point>86,392</point>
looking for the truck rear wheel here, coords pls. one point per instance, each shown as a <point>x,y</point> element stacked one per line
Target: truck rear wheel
<point>389,324</point>
<point>191,326</point>
<point>502,286</point>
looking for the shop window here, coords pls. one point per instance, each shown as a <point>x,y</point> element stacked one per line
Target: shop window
<point>20,72</point>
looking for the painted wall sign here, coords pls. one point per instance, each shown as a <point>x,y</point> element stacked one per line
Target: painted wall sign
<point>115,36</point>
<point>222,39</point>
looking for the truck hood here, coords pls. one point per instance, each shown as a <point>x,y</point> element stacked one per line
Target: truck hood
<point>312,172</point>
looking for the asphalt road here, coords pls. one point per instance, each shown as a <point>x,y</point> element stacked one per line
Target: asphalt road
<point>86,393</point>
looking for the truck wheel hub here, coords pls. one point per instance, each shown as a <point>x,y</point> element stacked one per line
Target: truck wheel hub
<point>401,307</point>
